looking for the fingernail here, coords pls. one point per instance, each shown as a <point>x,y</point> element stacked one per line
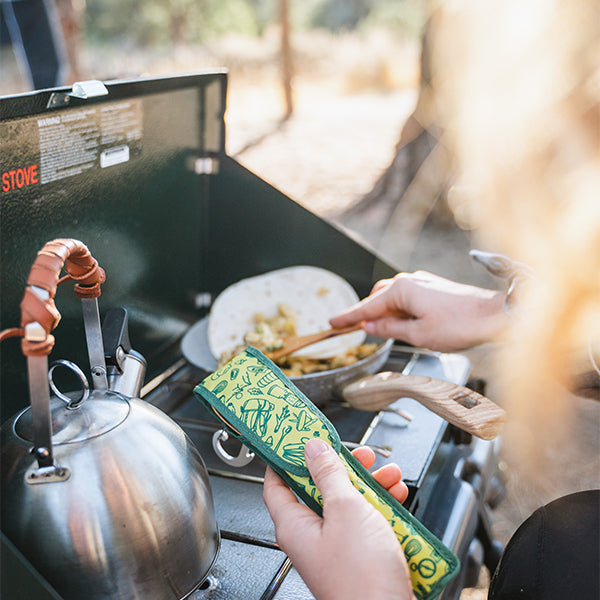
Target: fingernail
<point>369,327</point>
<point>314,447</point>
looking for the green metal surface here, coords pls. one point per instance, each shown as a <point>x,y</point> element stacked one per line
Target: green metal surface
<point>170,229</point>
<point>18,579</point>
<point>255,228</point>
<point>140,219</point>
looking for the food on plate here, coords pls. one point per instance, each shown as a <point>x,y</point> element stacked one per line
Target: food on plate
<point>268,334</point>
<point>312,294</point>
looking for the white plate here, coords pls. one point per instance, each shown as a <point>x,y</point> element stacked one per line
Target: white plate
<point>194,346</point>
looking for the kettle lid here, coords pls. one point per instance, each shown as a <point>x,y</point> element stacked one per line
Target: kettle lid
<point>101,412</point>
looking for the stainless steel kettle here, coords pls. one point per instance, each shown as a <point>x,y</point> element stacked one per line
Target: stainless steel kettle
<point>104,495</point>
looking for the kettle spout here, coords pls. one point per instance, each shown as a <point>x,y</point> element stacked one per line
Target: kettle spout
<point>126,367</point>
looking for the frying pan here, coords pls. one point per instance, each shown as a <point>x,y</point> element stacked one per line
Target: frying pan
<point>320,387</point>
<point>358,385</point>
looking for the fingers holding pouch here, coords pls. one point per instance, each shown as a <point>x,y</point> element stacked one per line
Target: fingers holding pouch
<point>390,477</point>
<point>365,456</point>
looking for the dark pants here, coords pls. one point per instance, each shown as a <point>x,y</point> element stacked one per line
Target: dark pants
<point>555,553</point>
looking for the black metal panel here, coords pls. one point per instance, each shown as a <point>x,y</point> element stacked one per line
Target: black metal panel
<point>293,588</point>
<point>164,229</point>
<point>255,228</point>
<point>241,571</point>
<point>19,580</point>
<point>31,103</point>
<point>140,218</point>
<point>254,520</point>
<point>172,230</point>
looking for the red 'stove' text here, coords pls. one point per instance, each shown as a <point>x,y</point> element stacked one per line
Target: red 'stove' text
<point>18,178</point>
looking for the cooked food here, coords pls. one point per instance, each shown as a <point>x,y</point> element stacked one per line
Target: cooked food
<point>294,366</point>
<point>312,294</point>
<point>269,333</point>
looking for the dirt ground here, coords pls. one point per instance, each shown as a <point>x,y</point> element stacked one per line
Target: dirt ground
<point>352,97</point>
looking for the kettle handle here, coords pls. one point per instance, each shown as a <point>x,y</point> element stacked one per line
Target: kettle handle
<point>39,316</point>
<point>38,305</point>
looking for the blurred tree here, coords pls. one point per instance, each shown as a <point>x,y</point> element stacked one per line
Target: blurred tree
<point>179,14</point>
<point>414,187</point>
<point>401,17</point>
<point>168,21</point>
<point>265,12</point>
<point>286,57</point>
<point>71,13</point>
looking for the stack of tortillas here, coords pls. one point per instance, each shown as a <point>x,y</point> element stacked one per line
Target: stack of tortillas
<point>314,295</point>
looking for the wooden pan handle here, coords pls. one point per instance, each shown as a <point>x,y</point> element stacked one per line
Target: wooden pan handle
<point>458,405</point>
<point>38,306</point>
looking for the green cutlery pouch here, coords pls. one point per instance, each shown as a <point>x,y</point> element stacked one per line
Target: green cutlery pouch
<point>259,405</point>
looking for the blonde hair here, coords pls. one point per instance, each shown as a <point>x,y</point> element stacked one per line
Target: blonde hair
<point>518,91</point>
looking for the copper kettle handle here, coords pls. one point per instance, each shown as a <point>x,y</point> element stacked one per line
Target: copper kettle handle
<point>39,316</point>
<point>37,306</point>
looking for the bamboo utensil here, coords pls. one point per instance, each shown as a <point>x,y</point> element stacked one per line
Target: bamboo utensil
<point>292,344</point>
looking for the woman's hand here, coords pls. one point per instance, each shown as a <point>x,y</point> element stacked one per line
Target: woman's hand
<point>349,552</point>
<point>388,476</point>
<point>425,310</point>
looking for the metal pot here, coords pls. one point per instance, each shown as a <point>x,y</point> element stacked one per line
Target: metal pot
<point>104,495</point>
<point>320,387</point>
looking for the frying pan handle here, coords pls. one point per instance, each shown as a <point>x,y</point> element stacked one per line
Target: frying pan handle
<point>458,405</point>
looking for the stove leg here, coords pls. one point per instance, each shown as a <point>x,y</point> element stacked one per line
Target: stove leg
<point>492,548</point>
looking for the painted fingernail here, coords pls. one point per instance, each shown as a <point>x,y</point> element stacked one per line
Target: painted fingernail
<point>314,447</point>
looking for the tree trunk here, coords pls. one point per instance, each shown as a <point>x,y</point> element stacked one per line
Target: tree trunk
<point>413,189</point>
<point>71,20</point>
<point>286,58</point>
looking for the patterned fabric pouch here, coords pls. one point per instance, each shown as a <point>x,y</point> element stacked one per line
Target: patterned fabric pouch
<point>259,405</point>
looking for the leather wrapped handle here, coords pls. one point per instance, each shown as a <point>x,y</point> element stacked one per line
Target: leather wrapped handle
<point>80,266</point>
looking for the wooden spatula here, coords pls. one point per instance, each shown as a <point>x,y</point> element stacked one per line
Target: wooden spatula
<point>291,344</point>
<point>459,405</point>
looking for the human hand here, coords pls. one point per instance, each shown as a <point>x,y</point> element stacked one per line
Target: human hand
<point>389,476</point>
<point>426,310</point>
<point>349,552</point>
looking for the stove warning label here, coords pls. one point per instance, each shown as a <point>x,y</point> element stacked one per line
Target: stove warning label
<point>40,150</point>
<point>74,142</point>
<point>68,144</point>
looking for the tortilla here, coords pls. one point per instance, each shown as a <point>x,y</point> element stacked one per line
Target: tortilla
<point>314,294</point>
